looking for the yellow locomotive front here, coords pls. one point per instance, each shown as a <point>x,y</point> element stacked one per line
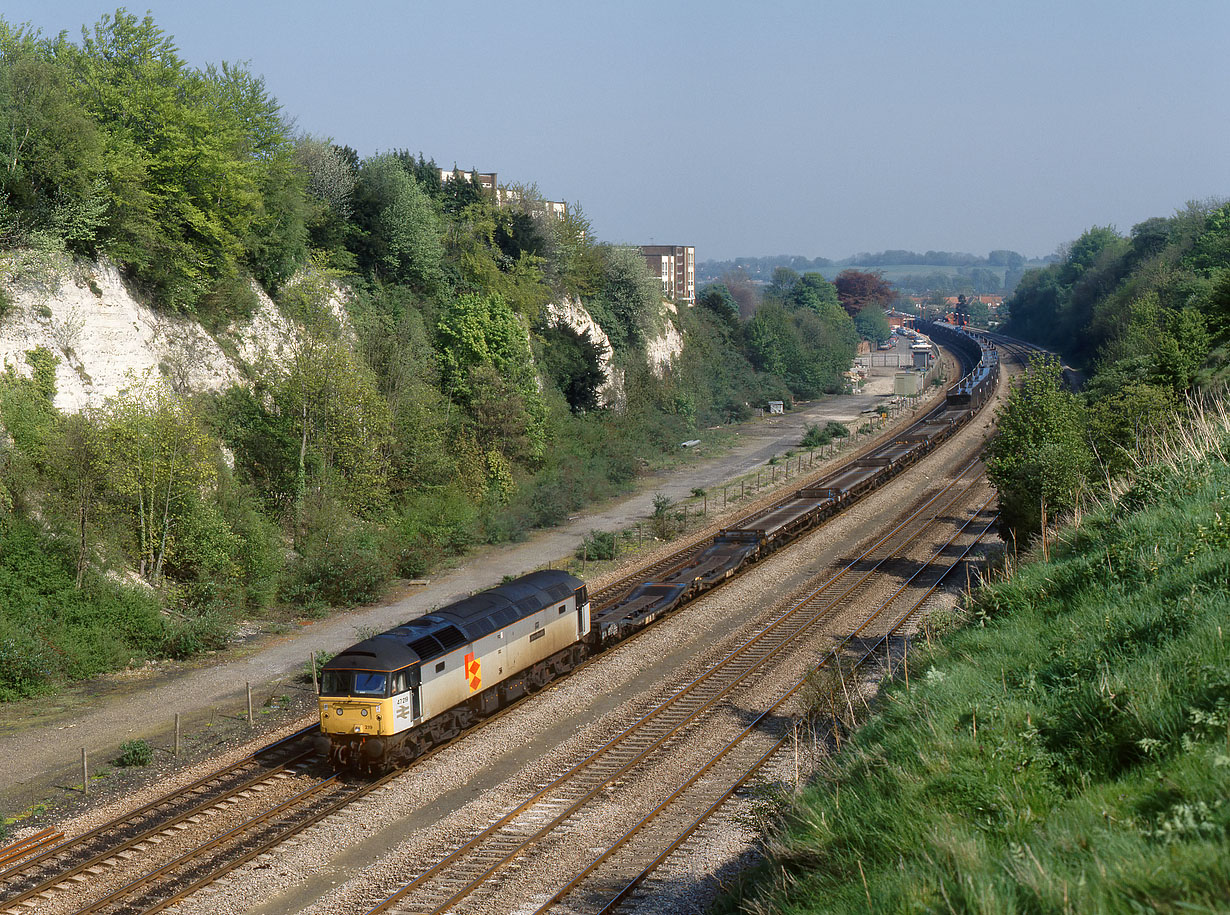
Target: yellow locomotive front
<point>367,699</point>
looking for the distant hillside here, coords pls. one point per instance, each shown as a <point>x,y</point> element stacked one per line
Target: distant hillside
<point>911,272</point>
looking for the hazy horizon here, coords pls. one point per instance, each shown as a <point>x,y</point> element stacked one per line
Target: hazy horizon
<point>823,128</point>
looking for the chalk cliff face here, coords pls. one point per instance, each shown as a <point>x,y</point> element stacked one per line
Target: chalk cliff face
<point>103,335</point>
<point>571,313</point>
<point>665,348</point>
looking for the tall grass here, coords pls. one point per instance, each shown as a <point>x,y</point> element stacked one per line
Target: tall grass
<point>1069,753</point>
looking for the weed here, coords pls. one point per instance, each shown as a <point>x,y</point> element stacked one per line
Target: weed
<point>134,753</point>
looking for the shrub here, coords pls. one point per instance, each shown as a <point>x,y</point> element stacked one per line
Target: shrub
<point>51,630</point>
<point>661,517</point>
<point>819,436</point>
<point>134,753</point>
<point>190,636</point>
<point>340,570</point>
<point>27,664</point>
<point>598,545</point>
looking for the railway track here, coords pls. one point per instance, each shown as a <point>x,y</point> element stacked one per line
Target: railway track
<point>45,879</point>
<point>624,868</point>
<point>53,870</point>
<point>663,567</point>
<point>472,874</point>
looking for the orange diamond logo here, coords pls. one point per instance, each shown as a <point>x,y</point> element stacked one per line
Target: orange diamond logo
<point>474,672</point>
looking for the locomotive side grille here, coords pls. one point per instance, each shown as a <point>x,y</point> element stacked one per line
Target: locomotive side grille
<point>426,647</point>
<point>450,637</point>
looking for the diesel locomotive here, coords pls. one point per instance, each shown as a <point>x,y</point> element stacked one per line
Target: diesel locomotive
<point>388,698</point>
<point>391,697</point>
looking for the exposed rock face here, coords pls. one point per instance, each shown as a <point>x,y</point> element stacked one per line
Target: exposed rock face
<point>571,313</point>
<point>102,335</point>
<point>663,349</point>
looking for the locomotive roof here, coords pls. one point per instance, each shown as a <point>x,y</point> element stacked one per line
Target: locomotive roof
<point>440,631</point>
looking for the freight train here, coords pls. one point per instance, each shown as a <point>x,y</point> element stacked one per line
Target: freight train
<point>391,697</point>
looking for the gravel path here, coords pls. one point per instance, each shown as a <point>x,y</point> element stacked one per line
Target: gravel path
<point>43,738</point>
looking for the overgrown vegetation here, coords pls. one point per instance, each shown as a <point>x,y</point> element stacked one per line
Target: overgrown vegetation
<point>427,402</point>
<point>819,436</point>
<point>1147,317</point>
<point>1067,752</point>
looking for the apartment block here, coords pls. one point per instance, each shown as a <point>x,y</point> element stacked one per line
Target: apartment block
<point>675,266</point>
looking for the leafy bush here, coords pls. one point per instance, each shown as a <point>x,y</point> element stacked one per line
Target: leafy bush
<point>819,436</point>
<point>193,635</point>
<point>341,570</point>
<point>598,545</point>
<point>134,753</point>
<point>50,630</point>
<point>660,519</point>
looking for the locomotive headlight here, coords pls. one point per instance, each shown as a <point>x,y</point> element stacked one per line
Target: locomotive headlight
<point>337,710</point>
<point>363,712</point>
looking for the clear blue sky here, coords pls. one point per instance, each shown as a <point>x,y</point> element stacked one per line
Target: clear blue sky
<point>814,128</point>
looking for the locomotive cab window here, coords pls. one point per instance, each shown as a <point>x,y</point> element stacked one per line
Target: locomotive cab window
<point>335,683</point>
<point>563,608</point>
<point>401,682</point>
<point>440,667</point>
<point>369,683</point>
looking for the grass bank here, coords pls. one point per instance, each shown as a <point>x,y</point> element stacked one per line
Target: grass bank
<point>1069,751</point>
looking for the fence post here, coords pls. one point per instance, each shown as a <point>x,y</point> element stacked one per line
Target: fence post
<point>85,773</point>
<point>177,725</point>
<point>251,723</point>
<point>312,664</point>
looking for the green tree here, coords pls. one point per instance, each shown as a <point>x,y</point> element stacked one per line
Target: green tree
<point>628,304</point>
<point>572,360</point>
<point>480,338</point>
<point>159,460</point>
<point>872,324</point>
<point>1039,459</point>
<point>717,299</point>
<point>400,238</point>
<point>575,263</point>
<point>52,152</point>
<point>77,463</point>
<point>813,291</point>
<point>1123,423</point>
<point>340,421</point>
<point>27,421</point>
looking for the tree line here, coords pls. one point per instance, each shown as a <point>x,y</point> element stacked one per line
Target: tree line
<point>1145,317</point>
